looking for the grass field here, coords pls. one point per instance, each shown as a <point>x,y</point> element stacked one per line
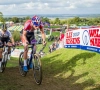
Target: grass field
<point>63,69</point>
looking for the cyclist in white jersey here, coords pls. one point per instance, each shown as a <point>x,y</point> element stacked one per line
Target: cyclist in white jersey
<point>5,37</point>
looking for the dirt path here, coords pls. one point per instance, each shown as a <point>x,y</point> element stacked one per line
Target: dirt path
<point>12,80</point>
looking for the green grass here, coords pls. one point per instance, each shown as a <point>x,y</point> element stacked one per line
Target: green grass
<point>53,26</point>
<point>79,67</point>
<point>13,62</point>
<point>57,33</point>
<point>64,69</point>
<point>20,47</point>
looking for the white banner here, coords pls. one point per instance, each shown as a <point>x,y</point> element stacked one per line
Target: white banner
<point>86,39</point>
<point>17,52</point>
<point>72,39</point>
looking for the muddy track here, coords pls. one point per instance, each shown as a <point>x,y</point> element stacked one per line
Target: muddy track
<point>12,80</point>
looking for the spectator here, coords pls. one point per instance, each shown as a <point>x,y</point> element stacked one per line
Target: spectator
<point>54,46</point>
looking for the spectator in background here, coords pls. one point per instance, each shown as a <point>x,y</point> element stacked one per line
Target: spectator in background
<point>54,46</point>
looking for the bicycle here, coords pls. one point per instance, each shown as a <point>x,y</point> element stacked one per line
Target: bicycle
<point>5,57</point>
<point>35,59</point>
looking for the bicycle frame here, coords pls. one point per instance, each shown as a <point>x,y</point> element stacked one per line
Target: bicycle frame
<point>31,54</point>
<point>35,59</point>
<point>5,57</point>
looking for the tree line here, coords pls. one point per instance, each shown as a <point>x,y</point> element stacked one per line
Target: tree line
<point>76,20</point>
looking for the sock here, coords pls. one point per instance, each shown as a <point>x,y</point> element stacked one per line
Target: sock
<point>25,62</point>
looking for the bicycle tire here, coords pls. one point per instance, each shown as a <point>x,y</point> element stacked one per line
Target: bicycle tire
<point>37,69</point>
<point>4,62</point>
<point>21,63</point>
<point>5,57</point>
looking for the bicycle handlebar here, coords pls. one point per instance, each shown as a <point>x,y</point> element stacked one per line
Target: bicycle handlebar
<point>42,48</point>
<point>11,46</point>
<point>33,42</point>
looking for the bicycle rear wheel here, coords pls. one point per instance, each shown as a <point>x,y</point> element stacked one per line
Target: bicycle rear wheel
<point>21,63</point>
<point>37,69</point>
<point>4,62</point>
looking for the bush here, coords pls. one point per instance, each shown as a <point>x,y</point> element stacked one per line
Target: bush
<point>16,35</point>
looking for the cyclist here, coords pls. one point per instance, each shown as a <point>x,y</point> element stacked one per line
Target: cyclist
<point>5,37</point>
<point>28,34</point>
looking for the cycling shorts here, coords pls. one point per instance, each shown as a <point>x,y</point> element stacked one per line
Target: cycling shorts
<point>29,36</point>
<point>4,40</point>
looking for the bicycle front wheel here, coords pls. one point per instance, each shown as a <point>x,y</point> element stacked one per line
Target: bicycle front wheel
<point>21,63</point>
<point>37,69</point>
<point>4,62</point>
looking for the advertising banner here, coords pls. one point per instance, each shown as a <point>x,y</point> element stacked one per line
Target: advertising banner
<point>72,39</point>
<point>86,39</point>
<point>90,39</point>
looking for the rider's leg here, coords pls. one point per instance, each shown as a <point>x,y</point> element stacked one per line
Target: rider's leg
<point>25,54</point>
<point>1,51</point>
<point>9,52</point>
<point>34,51</point>
<point>9,48</point>
<point>25,57</point>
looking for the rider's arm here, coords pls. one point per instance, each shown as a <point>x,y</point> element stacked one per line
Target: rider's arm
<point>43,34</point>
<point>24,35</point>
<point>11,38</point>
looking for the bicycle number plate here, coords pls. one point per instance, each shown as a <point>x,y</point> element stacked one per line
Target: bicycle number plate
<point>34,41</point>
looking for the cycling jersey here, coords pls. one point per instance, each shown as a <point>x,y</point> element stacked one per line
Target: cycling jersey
<point>28,25</point>
<point>5,36</point>
<point>30,34</point>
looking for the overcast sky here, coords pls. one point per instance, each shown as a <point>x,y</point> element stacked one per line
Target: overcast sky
<point>27,7</point>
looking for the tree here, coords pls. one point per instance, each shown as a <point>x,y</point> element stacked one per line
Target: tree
<point>1,14</point>
<point>16,35</point>
<point>45,19</point>
<point>57,21</point>
<point>15,19</point>
<point>1,18</point>
<point>77,20</point>
<point>27,18</point>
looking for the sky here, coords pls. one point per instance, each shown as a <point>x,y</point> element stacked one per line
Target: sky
<point>29,7</point>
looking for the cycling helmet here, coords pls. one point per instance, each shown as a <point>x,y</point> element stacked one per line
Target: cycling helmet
<point>36,20</point>
<point>4,27</point>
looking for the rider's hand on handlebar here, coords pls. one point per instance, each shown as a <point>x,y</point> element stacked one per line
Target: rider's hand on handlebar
<point>13,45</point>
<point>27,42</point>
<point>44,42</point>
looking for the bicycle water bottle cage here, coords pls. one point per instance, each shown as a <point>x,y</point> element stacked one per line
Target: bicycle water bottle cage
<point>34,41</point>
